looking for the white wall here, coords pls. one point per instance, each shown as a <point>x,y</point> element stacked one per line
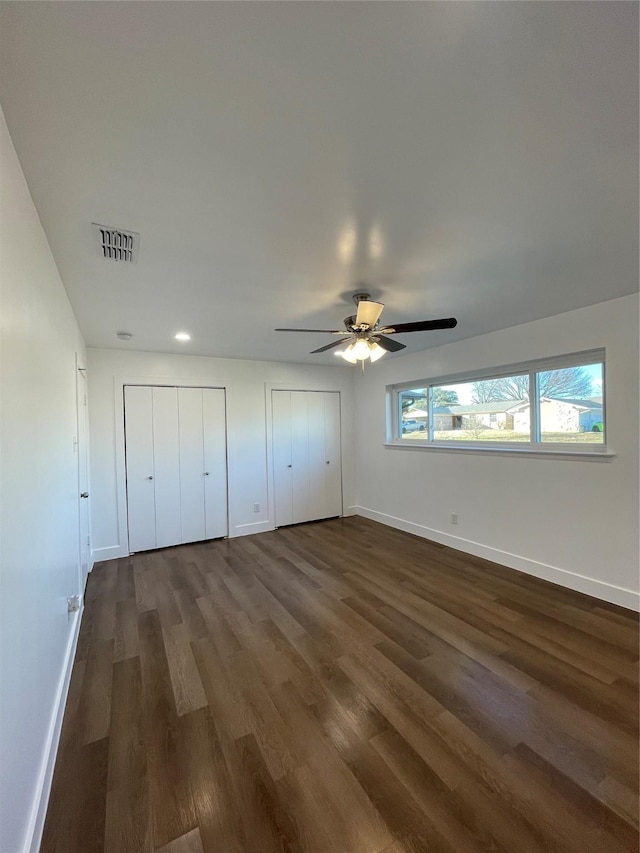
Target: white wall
<point>248,385</point>
<point>571,522</point>
<point>38,507</point>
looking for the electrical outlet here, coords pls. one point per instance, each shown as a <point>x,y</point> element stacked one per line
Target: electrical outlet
<point>454,518</point>
<point>73,604</point>
<point>256,507</point>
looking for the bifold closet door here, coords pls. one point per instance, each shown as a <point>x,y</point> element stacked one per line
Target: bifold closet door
<point>192,468</point>
<point>306,456</point>
<point>333,455</point>
<point>141,500</point>
<point>176,459</point>
<point>282,466</point>
<point>214,419</point>
<point>166,468</point>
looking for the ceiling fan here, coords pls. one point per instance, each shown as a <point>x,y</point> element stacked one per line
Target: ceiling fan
<point>366,339</point>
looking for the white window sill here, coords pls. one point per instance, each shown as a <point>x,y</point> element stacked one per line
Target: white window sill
<point>604,455</point>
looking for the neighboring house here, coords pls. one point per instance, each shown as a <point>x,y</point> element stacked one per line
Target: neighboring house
<point>560,415</point>
<point>416,414</point>
<point>557,415</point>
<point>490,415</point>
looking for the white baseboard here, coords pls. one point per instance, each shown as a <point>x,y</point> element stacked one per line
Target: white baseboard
<point>43,787</point>
<point>590,586</point>
<point>113,552</point>
<point>249,529</point>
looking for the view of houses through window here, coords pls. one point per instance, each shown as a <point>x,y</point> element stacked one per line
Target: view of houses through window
<point>567,401</point>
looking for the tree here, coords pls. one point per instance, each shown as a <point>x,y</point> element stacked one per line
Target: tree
<point>474,425</point>
<point>486,391</point>
<point>569,382</point>
<point>413,399</point>
<point>418,399</point>
<point>441,397</point>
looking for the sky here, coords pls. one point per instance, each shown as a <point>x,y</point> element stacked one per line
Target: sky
<point>464,390</point>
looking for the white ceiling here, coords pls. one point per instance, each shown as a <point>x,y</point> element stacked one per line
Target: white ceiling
<point>478,160</point>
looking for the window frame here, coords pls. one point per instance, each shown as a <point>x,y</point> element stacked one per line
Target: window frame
<point>535,445</point>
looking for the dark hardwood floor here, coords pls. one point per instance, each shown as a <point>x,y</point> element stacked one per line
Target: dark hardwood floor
<point>343,687</point>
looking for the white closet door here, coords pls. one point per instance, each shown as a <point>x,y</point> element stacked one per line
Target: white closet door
<point>333,454</point>
<point>191,464</point>
<point>166,454</point>
<point>300,455</point>
<point>317,498</point>
<point>306,456</point>
<point>215,462</point>
<point>282,470</point>
<point>139,456</point>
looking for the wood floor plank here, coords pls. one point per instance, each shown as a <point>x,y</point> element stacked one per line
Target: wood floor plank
<point>126,641</point>
<point>94,708</point>
<point>188,691</point>
<point>188,843</point>
<point>172,804</point>
<point>129,826</point>
<point>344,687</point>
<point>213,795</point>
<point>127,756</point>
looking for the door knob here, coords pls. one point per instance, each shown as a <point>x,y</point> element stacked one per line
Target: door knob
<point>84,494</point>
<point>149,478</point>
<point>206,473</point>
<point>289,466</point>
<point>328,462</point>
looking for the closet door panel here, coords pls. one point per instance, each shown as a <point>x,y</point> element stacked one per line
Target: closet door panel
<point>333,454</point>
<point>140,468</point>
<point>317,506</point>
<point>282,470</point>
<point>166,454</point>
<point>191,464</point>
<point>215,462</point>
<point>300,455</point>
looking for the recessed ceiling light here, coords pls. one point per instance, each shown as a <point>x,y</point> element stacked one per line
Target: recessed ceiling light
<point>124,336</point>
<point>183,336</point>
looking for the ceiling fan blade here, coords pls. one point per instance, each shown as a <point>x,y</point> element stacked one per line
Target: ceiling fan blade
<point>420,326</point>
<point>388,343</point>
<point>368,312</point>
<point>330,346</point>
<point>324,331</point>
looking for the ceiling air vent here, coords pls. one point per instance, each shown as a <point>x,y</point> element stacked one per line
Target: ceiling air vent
<point>114,244</point>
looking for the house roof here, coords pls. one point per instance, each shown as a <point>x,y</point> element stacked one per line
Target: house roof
<point>484,408</point>
<point>581,404</point>
<point>509,406</point>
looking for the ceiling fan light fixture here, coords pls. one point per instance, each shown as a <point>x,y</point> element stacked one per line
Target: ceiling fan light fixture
<point>360,349</point>
<point>348,355</point>
<point>375,351</point>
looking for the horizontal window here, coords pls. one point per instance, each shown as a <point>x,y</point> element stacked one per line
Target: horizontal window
<point>550,404</point>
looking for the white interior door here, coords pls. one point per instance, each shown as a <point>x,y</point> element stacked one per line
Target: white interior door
<point>317,500</point>
<point>300,455</point>
<point>141,509</point>
<point>333,454</point>
<point>83,477</point>
<point>176,461</point>
<point>282,470</point>
<point>306,456</point>
<point>166,458</point>
<point>192,470</point>
<point>215,462</point>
